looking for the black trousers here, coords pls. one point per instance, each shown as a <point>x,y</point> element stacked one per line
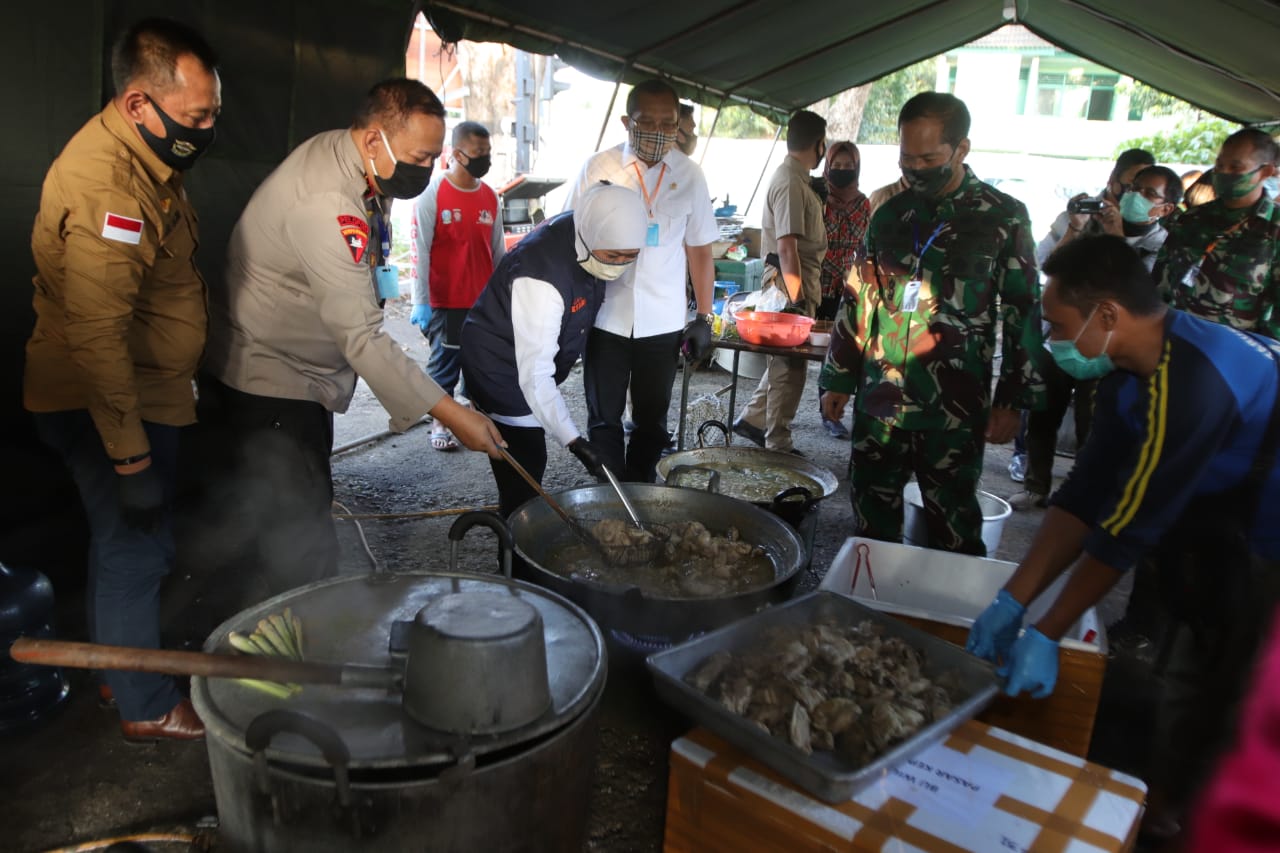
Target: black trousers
<point>1221,600</point>
<point>647,366</point>
<point>1042,426</point>
<point>528,445</point>
<point>264,487</point>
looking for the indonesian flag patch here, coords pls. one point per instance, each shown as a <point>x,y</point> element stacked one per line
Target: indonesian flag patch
<point>355,233</point>
<point>122,229</point>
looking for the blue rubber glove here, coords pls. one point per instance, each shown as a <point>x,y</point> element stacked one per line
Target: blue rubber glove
<point>996,630</point>
<point>420,316</point>
<point>1032,665</point>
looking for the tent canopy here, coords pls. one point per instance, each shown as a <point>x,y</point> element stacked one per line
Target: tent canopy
<point>779,57</point>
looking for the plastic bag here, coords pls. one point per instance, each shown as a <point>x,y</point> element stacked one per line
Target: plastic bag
<point>703,408</point>
<point>773,299</point>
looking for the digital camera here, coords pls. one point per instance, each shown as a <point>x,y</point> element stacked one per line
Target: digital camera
<point>1085,205</point>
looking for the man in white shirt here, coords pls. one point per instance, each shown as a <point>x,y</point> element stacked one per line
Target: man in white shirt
<point>642,327</point>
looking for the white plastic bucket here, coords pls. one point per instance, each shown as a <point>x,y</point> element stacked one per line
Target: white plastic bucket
<point>995,511</point>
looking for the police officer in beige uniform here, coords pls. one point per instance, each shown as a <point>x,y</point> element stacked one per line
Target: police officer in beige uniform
<point>120,324</point>
<point>299,316</point>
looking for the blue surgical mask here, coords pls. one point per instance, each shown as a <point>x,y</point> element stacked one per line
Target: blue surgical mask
<point>1077,366</point>
<point>1135,207</point>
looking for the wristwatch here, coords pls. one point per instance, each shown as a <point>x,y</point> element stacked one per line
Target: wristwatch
<point>710,317</point>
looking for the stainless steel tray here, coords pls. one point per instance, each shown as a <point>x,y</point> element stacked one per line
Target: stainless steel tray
<point>823,774</point>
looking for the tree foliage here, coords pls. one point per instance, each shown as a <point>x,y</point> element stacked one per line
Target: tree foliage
<point>738,121</point>
<point>1191,142</point>
<point>888,94</point>
<point>1148,102</point>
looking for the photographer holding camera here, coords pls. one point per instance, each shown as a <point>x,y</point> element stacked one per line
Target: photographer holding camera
<point>1085,215</point>
<point>1099,214</point>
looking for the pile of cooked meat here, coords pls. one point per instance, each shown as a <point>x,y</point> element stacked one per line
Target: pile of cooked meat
<point>828,686</point>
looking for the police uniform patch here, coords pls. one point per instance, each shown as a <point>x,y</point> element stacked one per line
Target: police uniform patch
<point>355,233</point>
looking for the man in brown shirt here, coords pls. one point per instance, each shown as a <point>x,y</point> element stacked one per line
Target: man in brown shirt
<point>794,229</point>
<point>120,326</point>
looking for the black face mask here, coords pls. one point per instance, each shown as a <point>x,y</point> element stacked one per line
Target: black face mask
<point>181,146</point>
<point>841,178</point>
<point>478,167</point>
<point>406,180</point>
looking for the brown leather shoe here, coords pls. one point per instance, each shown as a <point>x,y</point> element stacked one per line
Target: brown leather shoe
<point>182,723</point>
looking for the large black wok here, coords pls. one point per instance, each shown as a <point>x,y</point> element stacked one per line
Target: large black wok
<point>539,534</point>
<point>683,468</point>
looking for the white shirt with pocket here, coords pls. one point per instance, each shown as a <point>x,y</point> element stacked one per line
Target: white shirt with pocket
<point>649,299</point>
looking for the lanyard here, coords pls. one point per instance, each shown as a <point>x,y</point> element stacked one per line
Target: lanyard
<point>1216,240</point>
<point>920,250</point>
<point>649,199</point>
<point>384,230</point>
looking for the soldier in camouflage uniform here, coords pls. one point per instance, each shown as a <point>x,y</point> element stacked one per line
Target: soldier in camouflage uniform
<point>917,334</point>
<point>1221,260</point>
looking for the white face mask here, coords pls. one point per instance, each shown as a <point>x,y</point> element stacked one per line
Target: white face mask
<point>603,270</point>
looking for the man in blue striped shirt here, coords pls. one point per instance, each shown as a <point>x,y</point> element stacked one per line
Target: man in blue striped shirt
<point>1184,429</point>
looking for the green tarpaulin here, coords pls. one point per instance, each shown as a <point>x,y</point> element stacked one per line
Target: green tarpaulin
<point>780,56</point>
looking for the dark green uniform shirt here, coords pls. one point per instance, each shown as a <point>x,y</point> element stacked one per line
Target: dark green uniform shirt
<point>931,367</point>
<point>1224,265</point>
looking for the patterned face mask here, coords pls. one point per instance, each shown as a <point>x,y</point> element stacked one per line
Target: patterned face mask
<point>650,146</point>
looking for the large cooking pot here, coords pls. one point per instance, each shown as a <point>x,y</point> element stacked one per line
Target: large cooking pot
<point>540,534</point>
<point>342,769</point>
<point>689,468</point>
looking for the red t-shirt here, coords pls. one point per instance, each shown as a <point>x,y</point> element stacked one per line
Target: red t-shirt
<point>462,245</point>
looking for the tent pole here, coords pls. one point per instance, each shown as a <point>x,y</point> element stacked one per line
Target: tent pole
<point>711,133</point>
<point>608,113</point>
<point>776,136</point>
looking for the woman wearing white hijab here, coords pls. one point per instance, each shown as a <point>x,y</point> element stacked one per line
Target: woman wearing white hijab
<point>529,327</point>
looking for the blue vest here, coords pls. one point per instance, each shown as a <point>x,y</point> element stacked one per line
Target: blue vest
<point>488,347</point>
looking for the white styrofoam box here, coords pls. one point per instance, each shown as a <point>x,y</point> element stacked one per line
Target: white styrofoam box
<point>750,364</point>
<point>995,512</point>
<point>950,588</point>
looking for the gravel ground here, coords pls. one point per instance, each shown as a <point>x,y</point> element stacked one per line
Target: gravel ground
<point>73,779</point>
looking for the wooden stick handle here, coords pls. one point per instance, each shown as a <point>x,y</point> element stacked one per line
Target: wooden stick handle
<point>129,659</point>
<point>535,485</point>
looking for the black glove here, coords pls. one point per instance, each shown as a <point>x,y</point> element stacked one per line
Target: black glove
<point>589,455</point>
<point>141,499</point>
<point>695,341</point>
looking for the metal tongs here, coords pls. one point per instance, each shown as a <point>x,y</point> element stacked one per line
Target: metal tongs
<point>863,556</point>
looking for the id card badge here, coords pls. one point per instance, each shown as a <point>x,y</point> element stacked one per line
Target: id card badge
<point>1192,276</point>
<point>651,235</point>
<point>387,277</point>
<point>911,296</point>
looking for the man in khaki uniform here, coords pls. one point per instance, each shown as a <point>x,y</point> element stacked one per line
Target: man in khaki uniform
<point>120,325</point>
<point>793,229</point>
<point>299,316</point>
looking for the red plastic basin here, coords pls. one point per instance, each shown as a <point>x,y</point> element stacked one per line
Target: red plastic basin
<point>771,329</point>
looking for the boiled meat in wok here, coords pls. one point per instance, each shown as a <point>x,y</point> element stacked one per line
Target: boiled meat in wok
<point>693,562</point>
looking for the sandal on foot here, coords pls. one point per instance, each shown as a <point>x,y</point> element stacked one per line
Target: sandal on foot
<point>443,441</point>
